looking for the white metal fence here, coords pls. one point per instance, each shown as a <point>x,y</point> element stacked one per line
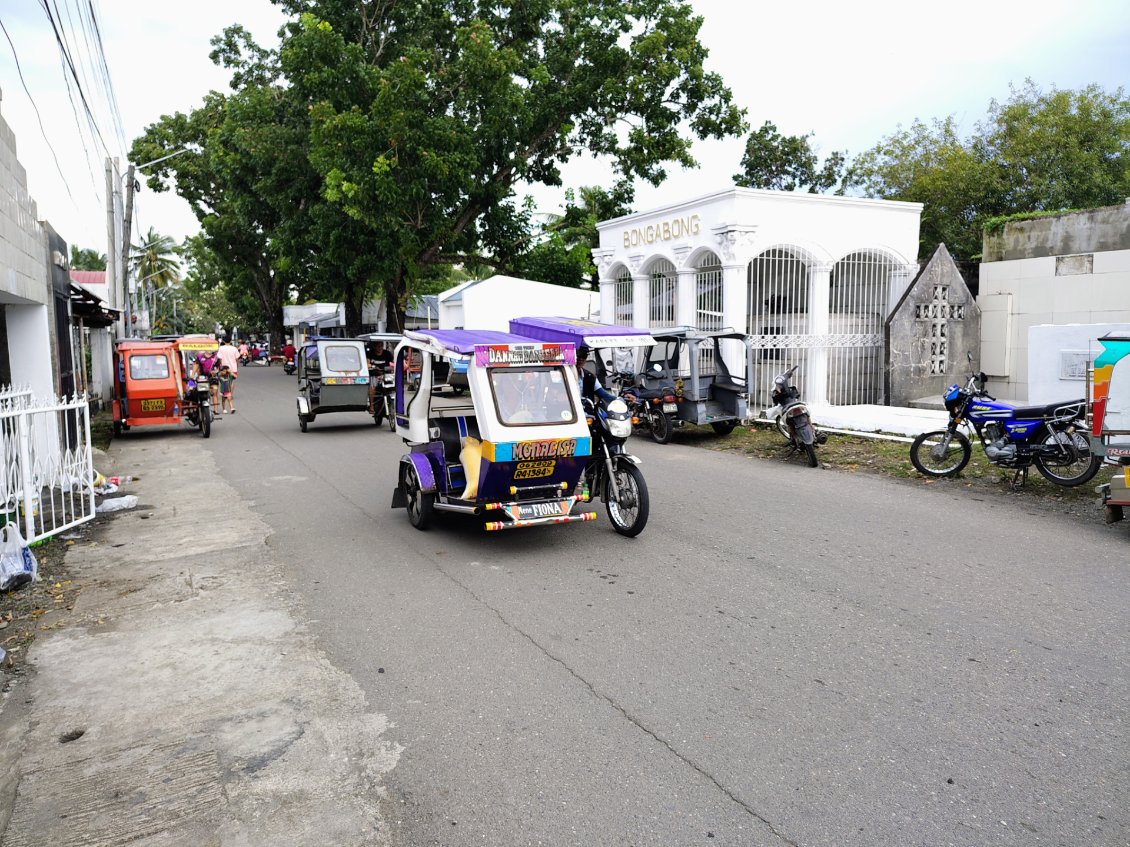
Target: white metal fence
<point>782,315</point>
<point>47,484</point>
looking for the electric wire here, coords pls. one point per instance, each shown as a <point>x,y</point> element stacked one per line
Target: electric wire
<point>38,117</point>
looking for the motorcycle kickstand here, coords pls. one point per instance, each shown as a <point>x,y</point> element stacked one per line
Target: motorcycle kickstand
<point>1019,478</point>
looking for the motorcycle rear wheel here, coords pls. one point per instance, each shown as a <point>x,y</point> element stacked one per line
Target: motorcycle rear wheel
<point>1067,473</point>
<point>939,454</point>
<point>628,514</point>
<point>660,427</point>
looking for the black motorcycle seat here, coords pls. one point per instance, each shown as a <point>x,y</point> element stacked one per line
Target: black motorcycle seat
<point>1049,410</point>
<point>651,393</point>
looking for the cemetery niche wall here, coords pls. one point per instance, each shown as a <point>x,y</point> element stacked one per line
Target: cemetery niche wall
<point>929,332</point>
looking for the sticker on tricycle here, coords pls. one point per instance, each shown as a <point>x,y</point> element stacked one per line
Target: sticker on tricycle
<point>534,470</point>
<point>530,511</point>
<point>508,355</point>
<point>152,405</point>
<point>198,345</point>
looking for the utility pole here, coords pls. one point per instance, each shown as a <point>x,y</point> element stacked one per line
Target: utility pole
<point>112,289</point>
<point>126,223</point>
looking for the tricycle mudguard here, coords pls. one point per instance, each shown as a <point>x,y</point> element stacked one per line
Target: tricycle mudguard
<point>424,471</point>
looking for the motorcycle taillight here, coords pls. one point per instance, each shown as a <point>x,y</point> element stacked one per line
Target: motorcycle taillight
<point>669,398</point>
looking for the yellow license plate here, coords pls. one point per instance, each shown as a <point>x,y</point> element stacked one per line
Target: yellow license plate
<point>152,405</point>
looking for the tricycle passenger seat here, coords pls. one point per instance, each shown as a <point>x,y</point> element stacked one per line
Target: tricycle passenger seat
<point>452,432</point>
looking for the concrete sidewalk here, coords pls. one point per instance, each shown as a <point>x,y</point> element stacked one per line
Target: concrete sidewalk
<point>184,701</point>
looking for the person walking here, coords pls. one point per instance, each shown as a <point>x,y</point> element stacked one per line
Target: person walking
<point>228,357</point>
<point>227,385</point>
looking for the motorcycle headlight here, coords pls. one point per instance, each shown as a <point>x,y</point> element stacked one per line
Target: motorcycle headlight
<point>617,408</point>
<point>620,428</point>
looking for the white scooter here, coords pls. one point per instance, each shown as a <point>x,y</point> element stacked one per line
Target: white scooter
<point>792,417</point>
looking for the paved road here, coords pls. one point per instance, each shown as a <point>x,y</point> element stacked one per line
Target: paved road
<point>785,656</point>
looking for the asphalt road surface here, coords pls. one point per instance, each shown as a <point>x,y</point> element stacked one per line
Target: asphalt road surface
<point>785,656</point>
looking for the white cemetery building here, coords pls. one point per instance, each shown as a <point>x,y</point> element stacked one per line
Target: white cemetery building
<point>812,278</point>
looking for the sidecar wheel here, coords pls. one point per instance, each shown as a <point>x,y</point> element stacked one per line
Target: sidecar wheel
<point>629,513</point>
<point>938,453</point>
<point>420,502</point>
<point>723,427</point>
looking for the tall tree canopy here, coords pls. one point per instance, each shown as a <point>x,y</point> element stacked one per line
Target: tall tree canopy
<point>87,259</point>
<point>1038,151</point>
<point>384,139</point>
<point>787,163</point>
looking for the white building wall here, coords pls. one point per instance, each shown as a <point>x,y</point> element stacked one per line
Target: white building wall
<point>492,302</point>
<point>1061,359</point>
<point>1038,296</point>
<point>29,349</point>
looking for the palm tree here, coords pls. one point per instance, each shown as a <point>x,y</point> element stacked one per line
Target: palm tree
<point>155,259</point>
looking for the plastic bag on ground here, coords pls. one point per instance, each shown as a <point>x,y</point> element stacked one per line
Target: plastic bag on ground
<point>117,504</point>
<point>18,566</point>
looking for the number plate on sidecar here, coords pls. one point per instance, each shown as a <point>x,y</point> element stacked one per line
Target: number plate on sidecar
<point>152,405</point>
<point>670,407</point>
<point>530,511</point>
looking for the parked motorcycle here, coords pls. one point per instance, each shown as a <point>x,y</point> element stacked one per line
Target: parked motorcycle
<point>613,474</point>
<point>198,404</point>
<point>1051,437</point>
<point>653,409</point>
<point>792,418</point>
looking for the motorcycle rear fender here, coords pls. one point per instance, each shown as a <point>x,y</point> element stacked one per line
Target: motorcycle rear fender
<point>802,426</point>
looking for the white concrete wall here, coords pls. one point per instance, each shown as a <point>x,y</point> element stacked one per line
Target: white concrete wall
<point>1040,297</point>
<point>1061,357</point>
<point>491,303</point>
<point>29,349</point>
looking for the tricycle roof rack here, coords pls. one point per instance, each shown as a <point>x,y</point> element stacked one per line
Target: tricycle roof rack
<point>579,331</point>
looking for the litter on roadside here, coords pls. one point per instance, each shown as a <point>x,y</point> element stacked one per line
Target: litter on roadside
<point>117,504</point>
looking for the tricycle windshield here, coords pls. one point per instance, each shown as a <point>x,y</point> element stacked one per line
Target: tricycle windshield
<point>341,358</point>
<point>148,367</point>
<point>531,396</point>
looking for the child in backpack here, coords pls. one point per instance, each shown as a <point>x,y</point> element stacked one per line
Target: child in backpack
<point>227,386</point>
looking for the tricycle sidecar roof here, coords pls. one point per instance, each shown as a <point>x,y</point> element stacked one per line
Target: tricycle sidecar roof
<point>579,331</point>
<point>462,342</point>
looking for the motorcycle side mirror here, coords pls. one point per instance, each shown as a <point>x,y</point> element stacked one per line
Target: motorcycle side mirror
<point>983,377</point>
<point>969,356</point>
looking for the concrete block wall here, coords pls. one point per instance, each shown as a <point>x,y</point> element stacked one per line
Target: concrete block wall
<point>23,273</point>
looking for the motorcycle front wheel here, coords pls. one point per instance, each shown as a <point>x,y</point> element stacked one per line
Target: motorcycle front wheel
<point>629,513</point>
<point>206,421</point>
<point>660,427</point>
<point>783,428</point>
<point>389,416</point>
<point>940,453</point>
<point>810,454</point>
<point>1067,470</point>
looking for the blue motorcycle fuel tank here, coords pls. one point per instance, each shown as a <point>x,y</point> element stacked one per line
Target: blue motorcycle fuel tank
<point>984,410</point>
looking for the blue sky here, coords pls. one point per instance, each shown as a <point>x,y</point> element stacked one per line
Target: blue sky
<point>849,72</point>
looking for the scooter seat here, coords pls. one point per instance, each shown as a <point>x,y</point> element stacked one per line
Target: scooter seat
<point>1049,410</point>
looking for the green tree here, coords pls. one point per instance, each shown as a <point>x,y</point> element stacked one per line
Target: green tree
<point>563,254</point>
<point>787,163</point>
<point>86,259</point>
<point>155,259</point>
<point>424,117</point>
<point>1035,152</point>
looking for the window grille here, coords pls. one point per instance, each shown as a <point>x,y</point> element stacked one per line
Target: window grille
<point>662,287</point>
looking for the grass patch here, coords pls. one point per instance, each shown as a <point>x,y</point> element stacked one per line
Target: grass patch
<point>853,454</point>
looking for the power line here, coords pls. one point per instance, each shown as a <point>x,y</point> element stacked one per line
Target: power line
<point>38,117</point>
